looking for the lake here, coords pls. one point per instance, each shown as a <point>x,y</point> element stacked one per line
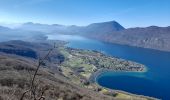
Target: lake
<point>155,82</point>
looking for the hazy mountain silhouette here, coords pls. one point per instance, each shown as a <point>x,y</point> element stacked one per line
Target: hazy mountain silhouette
<point>148,37</point>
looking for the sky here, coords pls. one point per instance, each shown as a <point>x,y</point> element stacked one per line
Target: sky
<point>129,13</point>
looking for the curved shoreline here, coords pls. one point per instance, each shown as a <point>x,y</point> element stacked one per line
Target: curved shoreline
<point>132,67</point>
<point>96,74</point>
<point>93,79</point>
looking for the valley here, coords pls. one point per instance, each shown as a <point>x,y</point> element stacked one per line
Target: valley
<point>84,50</point>
<point>72,65</point>
<point>152,37</point>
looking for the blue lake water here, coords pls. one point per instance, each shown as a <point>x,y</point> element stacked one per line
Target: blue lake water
<point>155,82</point>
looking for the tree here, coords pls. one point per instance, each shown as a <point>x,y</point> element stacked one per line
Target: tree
<point>32,88</point>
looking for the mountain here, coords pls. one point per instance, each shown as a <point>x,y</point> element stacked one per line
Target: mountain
<point>98,29</point>
<point>20,34</point>
<point>6,33</point>
<point>104,27</point>
<point>15,79</point>
<point>36,27</point>
<point>42,27</point>
<point>4,28</point>
<point>152,37</point>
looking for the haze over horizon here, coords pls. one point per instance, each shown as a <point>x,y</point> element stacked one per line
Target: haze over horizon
<point>129,13</point>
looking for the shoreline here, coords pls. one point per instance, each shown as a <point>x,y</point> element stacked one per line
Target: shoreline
<point>118,43</point>
<point>95,75</point>
<point>133,67</point>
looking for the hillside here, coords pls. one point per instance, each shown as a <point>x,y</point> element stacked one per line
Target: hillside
<point>152,37</point>
<point>66,73</point>
<point>15,78</point>
<point>102,28</point>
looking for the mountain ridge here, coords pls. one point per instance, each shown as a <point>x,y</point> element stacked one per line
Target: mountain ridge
<point>153,37</point>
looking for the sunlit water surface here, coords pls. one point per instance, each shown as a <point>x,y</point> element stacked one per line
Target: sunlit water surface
<point>155,82</point>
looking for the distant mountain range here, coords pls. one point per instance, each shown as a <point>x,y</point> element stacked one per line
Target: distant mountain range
<point>20,34</point>
<point>153,37</point>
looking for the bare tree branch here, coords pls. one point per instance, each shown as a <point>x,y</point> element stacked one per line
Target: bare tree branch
<point>32,87</point>
<point>22,97</point>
